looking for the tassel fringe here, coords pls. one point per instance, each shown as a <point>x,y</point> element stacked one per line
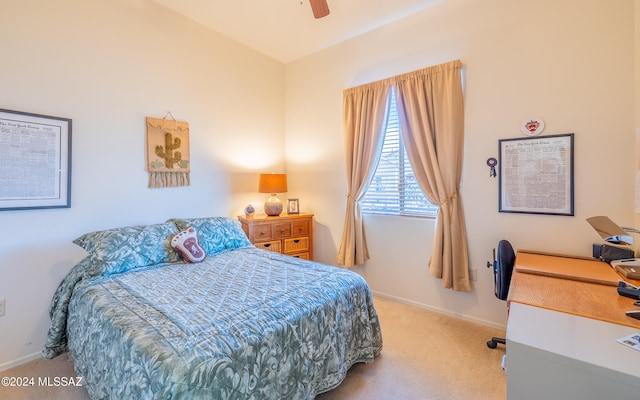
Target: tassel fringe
<point>168,179</point>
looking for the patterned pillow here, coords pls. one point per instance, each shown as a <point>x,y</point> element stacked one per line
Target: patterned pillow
<point>186,244</point>
<point>215,233</point>
<point>122,249</point>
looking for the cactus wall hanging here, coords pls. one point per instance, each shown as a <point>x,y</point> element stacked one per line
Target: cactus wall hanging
<point>168,152</point>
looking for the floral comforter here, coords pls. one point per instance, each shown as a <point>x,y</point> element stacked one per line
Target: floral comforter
<point>243,324</point>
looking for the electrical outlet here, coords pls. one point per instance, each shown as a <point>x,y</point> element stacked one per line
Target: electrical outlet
<point>2,308</point>
<point>473,274</point>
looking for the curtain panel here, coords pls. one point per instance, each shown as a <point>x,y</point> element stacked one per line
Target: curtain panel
<point>431,115</point>
<point>364,117</point>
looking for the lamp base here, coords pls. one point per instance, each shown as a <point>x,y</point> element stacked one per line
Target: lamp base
<point>273,206</point>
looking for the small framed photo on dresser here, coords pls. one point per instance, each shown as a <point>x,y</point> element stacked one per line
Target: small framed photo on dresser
<point>293,206</point>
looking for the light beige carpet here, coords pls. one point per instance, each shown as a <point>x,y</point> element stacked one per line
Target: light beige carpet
<point>426,356</point>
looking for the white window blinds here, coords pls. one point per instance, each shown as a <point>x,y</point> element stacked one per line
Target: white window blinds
<point>394,190</point>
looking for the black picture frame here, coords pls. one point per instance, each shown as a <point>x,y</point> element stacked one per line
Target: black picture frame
<point>536,175</point>
<point>35,161</point>
<point>293,206</point>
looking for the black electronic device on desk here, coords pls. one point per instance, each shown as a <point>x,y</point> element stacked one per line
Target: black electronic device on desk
<point>628,290</point>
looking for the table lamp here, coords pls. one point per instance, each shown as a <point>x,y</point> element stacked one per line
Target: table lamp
<point>273,184</point>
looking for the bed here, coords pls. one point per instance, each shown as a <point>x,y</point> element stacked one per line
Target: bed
<point>140,322</point>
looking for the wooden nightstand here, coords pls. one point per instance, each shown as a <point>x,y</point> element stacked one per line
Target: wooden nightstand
<point>290,234</point>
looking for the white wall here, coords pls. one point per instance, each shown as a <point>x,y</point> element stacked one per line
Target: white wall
<point>107,64</point>
<point>568,62</point>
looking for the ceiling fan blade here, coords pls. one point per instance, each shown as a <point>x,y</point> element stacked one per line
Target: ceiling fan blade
<point>320,8</point>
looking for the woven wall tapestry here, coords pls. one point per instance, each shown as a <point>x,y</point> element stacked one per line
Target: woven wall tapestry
<point>168,152</point>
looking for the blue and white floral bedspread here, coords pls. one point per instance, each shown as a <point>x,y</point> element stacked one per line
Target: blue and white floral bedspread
<point>243,324</point>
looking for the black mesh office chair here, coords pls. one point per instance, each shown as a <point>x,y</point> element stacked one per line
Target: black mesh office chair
<point>503,263</point>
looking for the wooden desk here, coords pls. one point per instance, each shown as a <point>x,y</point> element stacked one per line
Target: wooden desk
<point>564,284</point>
<point>562,331</point>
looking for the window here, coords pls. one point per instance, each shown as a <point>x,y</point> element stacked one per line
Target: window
<point>394,189</point>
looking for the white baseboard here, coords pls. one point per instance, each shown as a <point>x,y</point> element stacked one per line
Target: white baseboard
<point>440,310</point>
<point>20,361</point>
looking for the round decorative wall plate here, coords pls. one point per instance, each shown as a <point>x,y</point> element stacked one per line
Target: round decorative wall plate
<point>532,127</point>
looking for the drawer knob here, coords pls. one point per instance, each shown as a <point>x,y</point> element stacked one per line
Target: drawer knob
<point>262,233</point>
<point>281,230</point>
<point>267,245</point>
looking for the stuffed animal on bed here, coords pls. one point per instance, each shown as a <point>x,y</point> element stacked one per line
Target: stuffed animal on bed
<point>186,244</point>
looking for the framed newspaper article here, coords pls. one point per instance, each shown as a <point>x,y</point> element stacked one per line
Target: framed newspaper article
<point>35,161</point>
<point>536,175</point>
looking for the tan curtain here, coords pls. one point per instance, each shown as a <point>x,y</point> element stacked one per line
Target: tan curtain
<point>431,116</point>
<point>364,116</point>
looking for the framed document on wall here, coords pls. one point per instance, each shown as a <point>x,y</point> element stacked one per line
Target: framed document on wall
<point>536,175</point>
<point>35,161</point>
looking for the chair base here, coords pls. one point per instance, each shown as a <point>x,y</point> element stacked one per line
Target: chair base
<point>493,343</point>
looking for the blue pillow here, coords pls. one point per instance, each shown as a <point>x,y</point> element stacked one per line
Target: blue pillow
<point>215,233</point>
<point>122,249</point>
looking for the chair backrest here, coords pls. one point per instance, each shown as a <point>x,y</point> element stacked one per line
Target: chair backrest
<point>503,269</point>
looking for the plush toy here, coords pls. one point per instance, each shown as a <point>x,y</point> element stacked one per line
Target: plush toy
<point>186,244</point>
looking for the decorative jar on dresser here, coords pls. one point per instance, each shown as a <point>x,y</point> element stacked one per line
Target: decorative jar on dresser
<point>290,234</point>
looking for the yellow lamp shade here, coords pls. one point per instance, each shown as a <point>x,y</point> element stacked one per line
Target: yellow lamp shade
<point>272,184</point>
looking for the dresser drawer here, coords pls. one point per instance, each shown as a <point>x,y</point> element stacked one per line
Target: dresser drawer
<point>295,245</point>
<point>300,228</point>
<point>304,256</point>
<point>282,230</point>
<point>274,246</point>
<point>262,233</point>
